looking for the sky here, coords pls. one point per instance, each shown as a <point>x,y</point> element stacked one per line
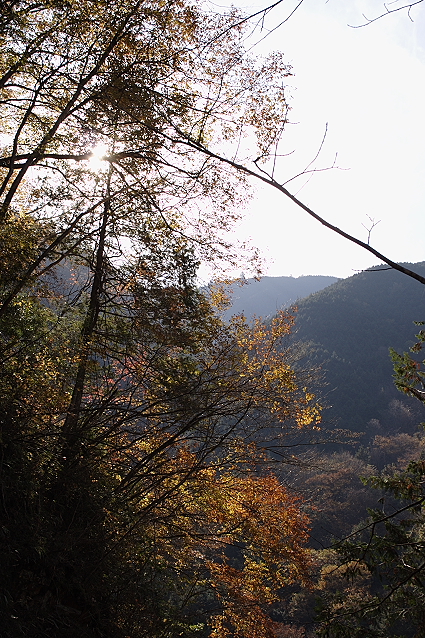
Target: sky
<point>367,87</point>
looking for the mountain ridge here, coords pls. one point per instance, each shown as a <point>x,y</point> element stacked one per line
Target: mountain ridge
<point>347,328</point>
<point>264,297</point>
<point>350,327</point>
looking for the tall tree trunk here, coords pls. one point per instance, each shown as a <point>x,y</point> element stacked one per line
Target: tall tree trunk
<point>71,430</point>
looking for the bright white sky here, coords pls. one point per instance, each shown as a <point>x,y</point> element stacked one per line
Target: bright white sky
<point>368,85</point>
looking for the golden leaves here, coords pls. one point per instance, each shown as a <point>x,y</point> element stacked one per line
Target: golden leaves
<point>210,509</point>
<point>266,360</point>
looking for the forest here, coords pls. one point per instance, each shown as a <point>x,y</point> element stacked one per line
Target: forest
<point>153,471</point>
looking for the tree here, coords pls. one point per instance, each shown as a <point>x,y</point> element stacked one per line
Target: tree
<point>155,481</point>
<point>134,422</point>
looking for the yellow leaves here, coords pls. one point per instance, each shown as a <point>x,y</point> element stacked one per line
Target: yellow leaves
<point>254,512</point>
<point>220,299</point>
<point>309,415</point>
<point>334,576</point>
<point>194,512</point>
<point>266,361</point>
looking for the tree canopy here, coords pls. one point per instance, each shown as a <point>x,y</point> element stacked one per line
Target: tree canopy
<point>138,496</point>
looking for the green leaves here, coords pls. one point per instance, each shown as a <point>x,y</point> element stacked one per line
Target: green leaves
<point>409,374</point>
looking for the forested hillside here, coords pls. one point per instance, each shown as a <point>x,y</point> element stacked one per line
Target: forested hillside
<point>366,499</point>
<point>266,296</point>
<point>350,327</point>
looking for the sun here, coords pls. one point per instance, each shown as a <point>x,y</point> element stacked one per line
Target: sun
<point>97,161</point>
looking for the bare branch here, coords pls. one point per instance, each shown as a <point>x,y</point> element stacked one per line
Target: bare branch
<point>369,230</point>
<point>386,13</point>
<point>184,140</point>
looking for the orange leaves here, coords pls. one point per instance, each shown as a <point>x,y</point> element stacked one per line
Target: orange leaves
<point>242,615</point>
<point>260,510</point>
<point>221,510</point>
<point>230,534</point>
<point>270,530</point>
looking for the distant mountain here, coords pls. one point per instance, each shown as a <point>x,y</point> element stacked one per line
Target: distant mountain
<point>350,326</point>
<point>263,298</point>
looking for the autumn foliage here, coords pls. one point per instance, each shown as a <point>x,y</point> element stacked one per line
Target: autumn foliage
<point>138,493</point>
